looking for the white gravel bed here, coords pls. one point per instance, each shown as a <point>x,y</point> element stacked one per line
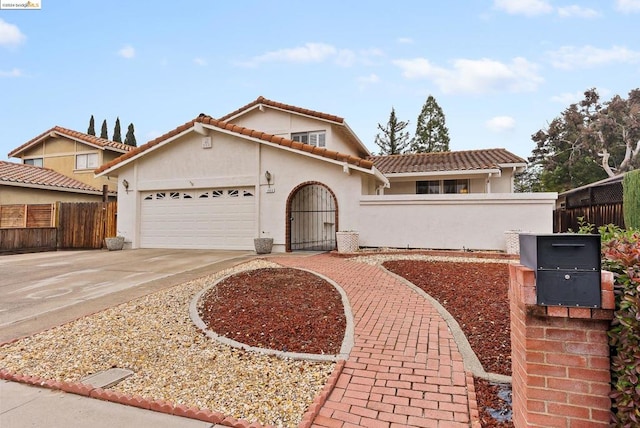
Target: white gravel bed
<point>172,360</point>
<point>374,259</point>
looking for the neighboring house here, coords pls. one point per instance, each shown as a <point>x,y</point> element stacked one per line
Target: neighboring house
<point>471,171</point>
<point>27,184</point>
<point>298,176</point>
<point>71,153</point>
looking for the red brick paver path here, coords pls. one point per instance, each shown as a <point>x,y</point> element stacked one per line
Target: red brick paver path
<point>405,368</point>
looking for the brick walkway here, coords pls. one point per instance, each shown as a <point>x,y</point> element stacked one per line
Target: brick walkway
<point>405,368</point>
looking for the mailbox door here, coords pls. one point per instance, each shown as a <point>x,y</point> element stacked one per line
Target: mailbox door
<point>580,252</point>
<point>568,288</point>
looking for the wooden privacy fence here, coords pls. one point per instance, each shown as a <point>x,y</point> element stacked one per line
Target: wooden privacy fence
<point>598,215</point>
<point>63,225</point>
<point>85,224</point>
<point>38,215</point>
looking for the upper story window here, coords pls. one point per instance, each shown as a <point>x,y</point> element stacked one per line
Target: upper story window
<point>87,161</point>
<point>434,187</point>
<point>34,162</point>
<point>316,138</point>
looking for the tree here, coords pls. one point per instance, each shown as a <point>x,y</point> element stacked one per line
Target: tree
<point>631,199</point>
<point>92,128</point>
<point>393,140</point>
<point>116,131</point>
<point>432,134</point>
<point>130,138</point>
<point>103,131</point>
<point>588,142</point>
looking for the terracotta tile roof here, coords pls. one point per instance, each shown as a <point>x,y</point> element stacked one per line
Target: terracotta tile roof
<point>445,161</point>
<point>264,101</point>
<point>90,139</point>
<point>241,131</point>
<point>34,175</point>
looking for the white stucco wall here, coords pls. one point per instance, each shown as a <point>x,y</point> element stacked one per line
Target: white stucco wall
<point>473,221</point>
<point>234,161</point>
<point>283,124</point>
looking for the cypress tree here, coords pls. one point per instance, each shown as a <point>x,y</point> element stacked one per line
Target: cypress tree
<point>631,199</point>
<point>394,140</point>
<point>103,131</point>
<point>92,128</point>
<point>432,134</point>
<point>116,131</point>
<point>130,138</point>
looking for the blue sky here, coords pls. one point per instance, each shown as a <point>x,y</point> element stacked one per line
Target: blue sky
<point>500,69</point>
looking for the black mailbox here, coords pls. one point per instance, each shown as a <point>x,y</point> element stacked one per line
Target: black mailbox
<point>567,268</point>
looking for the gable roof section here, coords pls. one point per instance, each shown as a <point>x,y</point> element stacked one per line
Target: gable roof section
<point>241,132</point>
<point>468,160</point>
<point>340,125</point>
<point>263,101</point>
<point>17,174</point>
<point>73,135</point>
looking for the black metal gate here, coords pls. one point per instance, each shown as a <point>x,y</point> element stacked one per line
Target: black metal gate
<point>313,219</point>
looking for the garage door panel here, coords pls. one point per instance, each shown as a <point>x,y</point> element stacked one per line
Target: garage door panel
<point>213,219</point>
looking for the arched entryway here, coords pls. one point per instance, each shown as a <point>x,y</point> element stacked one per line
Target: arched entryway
<point>312,218</point>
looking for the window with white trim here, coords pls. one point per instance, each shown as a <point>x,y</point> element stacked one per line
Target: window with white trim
<point>87,161</point>
<point>34,162</point>
<point>315,138</point>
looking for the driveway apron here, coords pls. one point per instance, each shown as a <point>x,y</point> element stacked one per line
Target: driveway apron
<point>405,367</point>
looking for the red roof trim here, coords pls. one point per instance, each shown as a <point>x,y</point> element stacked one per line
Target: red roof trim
<point>89,139</point>
<point>263,101</point>
<point>274,139</point>
<point>37,176</point>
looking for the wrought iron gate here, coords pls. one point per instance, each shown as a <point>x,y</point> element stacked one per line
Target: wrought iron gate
<point>313,219</point>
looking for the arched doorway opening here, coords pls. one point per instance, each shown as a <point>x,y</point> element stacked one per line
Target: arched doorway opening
<point>312,218</point>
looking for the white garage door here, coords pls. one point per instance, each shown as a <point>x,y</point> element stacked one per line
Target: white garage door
<point>207,218</point>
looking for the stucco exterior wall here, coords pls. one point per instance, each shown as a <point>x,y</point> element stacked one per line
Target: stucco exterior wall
<point>452,221</point>
<point>477,183</point>
<point>281,123</point>
<point>24,195</point>
<point>59,154</point>
<point>234,161</point>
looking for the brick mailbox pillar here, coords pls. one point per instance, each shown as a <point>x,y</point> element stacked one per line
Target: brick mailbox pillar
<point>560,357</point>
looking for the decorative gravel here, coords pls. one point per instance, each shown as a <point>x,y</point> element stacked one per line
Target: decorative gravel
<point>172,360</point>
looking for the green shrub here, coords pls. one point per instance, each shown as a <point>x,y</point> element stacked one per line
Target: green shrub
<point>621,255</point>
<point>631,199</point>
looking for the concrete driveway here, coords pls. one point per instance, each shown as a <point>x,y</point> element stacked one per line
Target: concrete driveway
<point>42,290</point>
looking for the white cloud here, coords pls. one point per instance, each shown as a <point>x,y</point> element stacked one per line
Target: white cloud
<point>366,81</point>
<point>405,40</point>
<point>345,58</point>
<point>475,76</point>
<point>501,123</point>
<point>200,61</point>
<point>127,52</point>
<point>10,35</point>
<point>571,57</point>
<point>628,6</point>
<point>314,53</point>
<point>523,7</point>
<point>575,10</point>
<point>568,98</point>
<point>12,73</point>
<point>310,52</point>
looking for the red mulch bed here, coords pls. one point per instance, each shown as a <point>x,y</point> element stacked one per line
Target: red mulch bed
<point>294,310</point>
<point>278,308</point>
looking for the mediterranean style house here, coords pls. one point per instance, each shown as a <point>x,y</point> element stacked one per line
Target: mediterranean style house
<point>298,176</point>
